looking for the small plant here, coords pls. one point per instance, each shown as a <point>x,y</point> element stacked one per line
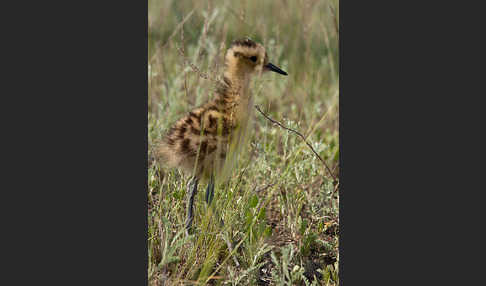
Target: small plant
<point>283,273</point>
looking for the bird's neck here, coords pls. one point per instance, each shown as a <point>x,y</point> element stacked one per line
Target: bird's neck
<point>239,82</point>
<point>237,95</point>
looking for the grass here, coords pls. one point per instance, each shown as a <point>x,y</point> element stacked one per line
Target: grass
<point>280,207</point>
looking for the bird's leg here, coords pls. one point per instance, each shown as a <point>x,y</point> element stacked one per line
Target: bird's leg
<point>210,195</point>
<point>191,193</point>
<point>210,190</point>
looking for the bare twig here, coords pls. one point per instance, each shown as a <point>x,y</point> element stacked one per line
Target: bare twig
<point>303,138</point>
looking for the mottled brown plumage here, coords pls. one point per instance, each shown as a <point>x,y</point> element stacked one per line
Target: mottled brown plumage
<point>204,143</point>
<point>200,142</point>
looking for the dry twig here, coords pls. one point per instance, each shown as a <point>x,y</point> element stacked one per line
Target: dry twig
<point>335,182</point>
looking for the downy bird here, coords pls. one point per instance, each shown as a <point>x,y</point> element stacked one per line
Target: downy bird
<point>204,143</point>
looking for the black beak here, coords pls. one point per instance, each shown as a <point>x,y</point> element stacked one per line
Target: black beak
<point>274,68</point>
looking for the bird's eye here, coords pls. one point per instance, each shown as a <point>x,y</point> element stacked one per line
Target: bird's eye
<point>253,59</point>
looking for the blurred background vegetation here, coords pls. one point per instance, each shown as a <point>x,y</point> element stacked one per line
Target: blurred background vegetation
<point>281,206</point>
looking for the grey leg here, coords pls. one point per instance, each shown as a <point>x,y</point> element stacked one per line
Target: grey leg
<point>191,193</point>
<point>210,190</point>
<point>210,195</point>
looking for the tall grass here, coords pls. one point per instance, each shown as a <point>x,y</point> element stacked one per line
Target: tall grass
<point>280,207</point>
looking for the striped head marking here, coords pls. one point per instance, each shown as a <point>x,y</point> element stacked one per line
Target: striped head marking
<point>248,56</point>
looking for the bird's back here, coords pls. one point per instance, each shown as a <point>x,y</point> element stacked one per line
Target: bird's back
<point>207,139</point>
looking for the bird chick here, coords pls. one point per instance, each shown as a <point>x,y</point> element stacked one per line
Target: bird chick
<point>204,143</point>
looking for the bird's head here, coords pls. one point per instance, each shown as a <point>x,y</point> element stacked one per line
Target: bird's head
<point>248,57</point>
